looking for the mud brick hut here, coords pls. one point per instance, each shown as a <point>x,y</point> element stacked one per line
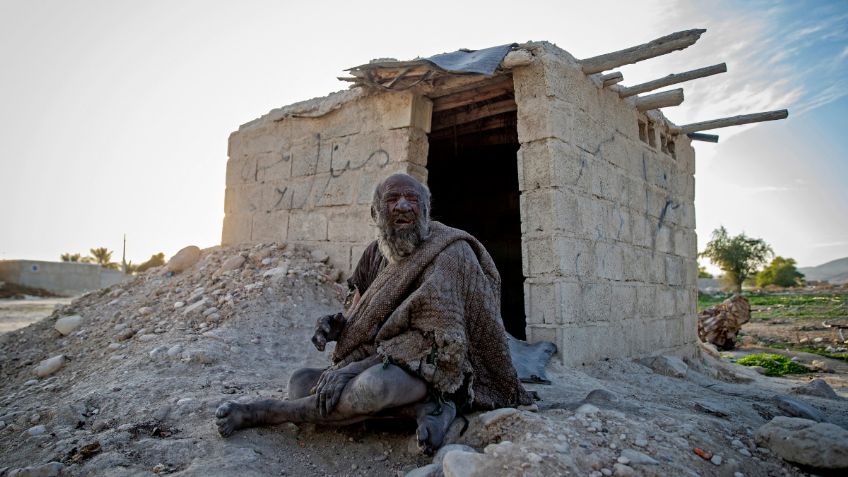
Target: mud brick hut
<point>580,188</point>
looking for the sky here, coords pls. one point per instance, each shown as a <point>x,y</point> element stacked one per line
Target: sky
<point>114,114</point>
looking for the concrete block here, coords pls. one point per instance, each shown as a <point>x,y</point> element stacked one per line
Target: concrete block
<point>683,301</point>
<point>552,163</point>
<point>538,256</point>
<point>565,80</point>
<point>542,117</point>
<point>637,194</point>
<point>624,301</point>
<point>243,199</point>
<point>595,218</point>
<point>597,301</point>
<point>270,226</point>
<point>241,171</point>
<point>665,305</point>
<point>656,268</point>
<point>588,134</point>
<point>605,181</point>
<point>690,328</point>
<point>635,263</point>
<point>351,224</point>
<point>687,213</point>
<point>335,190</point>
<point>536,333</point>
<point>675,272</point>
<point>272,166</point>
<point>307,226</point>
<point>646,297</point>
<point>575,257</point>
<point>641,229</point>
<point>584,344</point>
<point>405,109</point>
<point>546,211</point>
<point>663,240</point>
<point>237,228</point>
<point>570,299</point>
<point>305,156</point>
<point>540,304</point>
<point>260,140</point>
<point>685,155</point>
<point>691,266</point>
<point>621,227</point>
<point>609,261</point>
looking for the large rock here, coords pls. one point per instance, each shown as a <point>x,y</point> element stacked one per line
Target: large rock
<point>666,365</point>
<point>802,441</point>
<point>67,324</point>
<point>817,387</point>
<point>49,366</point>
<point>50,469</point>
<point>794,408</point>
<point>184,259</point>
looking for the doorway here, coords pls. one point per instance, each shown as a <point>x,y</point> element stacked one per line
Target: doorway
<point>473,176</point>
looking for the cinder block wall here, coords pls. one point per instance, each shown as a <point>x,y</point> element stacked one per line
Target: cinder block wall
<point>309,180</point>
<point>62,278</point>
<point>608,218</point>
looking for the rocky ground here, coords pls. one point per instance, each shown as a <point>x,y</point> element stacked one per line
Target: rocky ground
<point>125,381</point>
<point>19,312</point>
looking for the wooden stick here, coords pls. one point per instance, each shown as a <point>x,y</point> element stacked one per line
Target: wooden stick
<point>612,78</point>
<point>732,121</point>
<point>660,100</point>
<point>481,93</point>
<point>660,46</point>
<point>492,109</point>
<point>672,79</point>
<point>703,137</point>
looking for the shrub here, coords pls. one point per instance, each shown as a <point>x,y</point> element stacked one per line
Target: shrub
<point>774,364</point>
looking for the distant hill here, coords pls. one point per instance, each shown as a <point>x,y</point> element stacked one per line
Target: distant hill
<point>835,271</point>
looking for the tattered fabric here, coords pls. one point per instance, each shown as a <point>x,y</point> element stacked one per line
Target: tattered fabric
<point>436,313</point>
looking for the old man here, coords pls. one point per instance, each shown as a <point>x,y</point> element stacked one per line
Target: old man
<point>423,337</point>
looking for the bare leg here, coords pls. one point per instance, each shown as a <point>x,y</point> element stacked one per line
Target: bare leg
<point>302,381</point>
<point>434,420</point>
<point>372,391</point>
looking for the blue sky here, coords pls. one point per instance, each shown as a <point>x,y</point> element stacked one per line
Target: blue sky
<point>115,113</point>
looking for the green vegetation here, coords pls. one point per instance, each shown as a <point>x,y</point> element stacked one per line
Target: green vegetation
<point>775,364</point>
<point>809,349</point>
<point>781,272</point>
<point>703,273</point>
<point>739,256</point>
<point>155,261</point>
<point>815,307</point>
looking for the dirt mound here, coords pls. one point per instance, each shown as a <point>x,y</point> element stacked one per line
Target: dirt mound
<point>132,381</point>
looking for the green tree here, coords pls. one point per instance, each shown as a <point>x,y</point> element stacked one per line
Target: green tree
<point>103,257</point>
<point>739,256</point>
<point>781,272</point>
<point>156,260</point>
<point>70,257</point>
<point>703,273</point>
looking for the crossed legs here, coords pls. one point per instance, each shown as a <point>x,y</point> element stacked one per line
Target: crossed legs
<point>376,392</point>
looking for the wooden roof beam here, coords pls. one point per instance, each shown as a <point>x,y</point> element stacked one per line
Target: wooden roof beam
<point>672,79</point>
<point>660,100</point>
<point>448,120</point>
<point>612,78</point>
<point>660,46</point>
<point>703,137</point>
<point>731,121</point>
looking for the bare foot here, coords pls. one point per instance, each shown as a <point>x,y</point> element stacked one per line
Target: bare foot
<point>232,416</point>
<point>434,420</point>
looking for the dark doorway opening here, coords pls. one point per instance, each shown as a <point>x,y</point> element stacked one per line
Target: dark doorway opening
<point>473,176</point>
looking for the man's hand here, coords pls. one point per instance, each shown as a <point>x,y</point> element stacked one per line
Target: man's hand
<point>330,386</point>
<point>329,328</point>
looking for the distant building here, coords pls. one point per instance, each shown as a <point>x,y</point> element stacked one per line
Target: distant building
<point>61,278</point>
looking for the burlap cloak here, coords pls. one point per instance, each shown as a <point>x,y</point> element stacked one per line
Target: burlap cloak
<point>437,314</point>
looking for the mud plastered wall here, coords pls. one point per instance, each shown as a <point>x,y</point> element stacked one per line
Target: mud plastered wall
<point>310,180</point>
<point>608,218</point>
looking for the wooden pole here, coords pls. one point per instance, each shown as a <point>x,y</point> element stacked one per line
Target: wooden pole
<point>660,100</point>
<point>672,79</point>
<point>612,78</point>
<point>703,137</point>
<point>660,46</point>
<point>732,121</point>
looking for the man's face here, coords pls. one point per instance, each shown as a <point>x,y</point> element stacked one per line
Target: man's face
<point>402,198</point>
<point>401,210</point>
